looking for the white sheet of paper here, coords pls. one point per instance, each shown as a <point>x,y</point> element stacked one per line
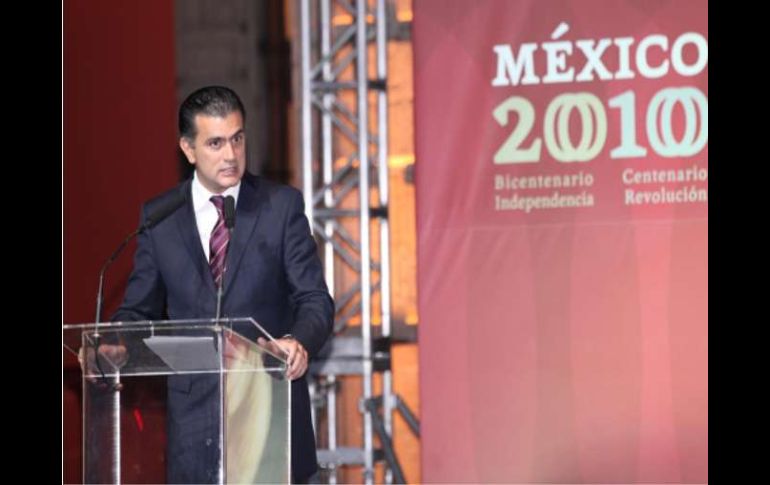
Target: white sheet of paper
<point>185,353</point>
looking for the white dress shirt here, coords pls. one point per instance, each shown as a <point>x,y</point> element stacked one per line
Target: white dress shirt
<point>205,213</point>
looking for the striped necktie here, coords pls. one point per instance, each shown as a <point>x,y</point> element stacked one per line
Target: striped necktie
<point>220,239</point>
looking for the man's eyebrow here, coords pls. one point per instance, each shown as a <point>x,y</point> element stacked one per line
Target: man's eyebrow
<point>222,138</point>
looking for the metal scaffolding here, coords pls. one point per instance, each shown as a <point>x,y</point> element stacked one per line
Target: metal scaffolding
<point>344,154</point>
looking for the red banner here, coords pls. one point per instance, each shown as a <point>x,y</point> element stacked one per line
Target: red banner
<point>562,198</point>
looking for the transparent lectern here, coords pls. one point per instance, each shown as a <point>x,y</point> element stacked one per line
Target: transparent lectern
<point>213,366</point>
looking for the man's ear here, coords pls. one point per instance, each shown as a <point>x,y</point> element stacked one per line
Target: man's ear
<point>187,148</point>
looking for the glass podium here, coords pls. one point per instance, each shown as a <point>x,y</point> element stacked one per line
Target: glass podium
<point>228,400</point>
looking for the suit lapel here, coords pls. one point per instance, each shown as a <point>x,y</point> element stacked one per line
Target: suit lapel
<point>250,202</point>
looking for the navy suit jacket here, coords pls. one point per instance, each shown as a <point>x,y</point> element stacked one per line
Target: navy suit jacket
<point>273,275</point>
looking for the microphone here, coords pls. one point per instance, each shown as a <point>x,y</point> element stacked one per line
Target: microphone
<point>229,215</point>
<point>153,219</point>
<point>164,211</point>
<point>229,211</point>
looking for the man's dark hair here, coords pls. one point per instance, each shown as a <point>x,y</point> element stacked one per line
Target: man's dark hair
<point>210,101</point>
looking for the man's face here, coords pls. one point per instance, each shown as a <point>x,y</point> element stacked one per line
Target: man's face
<point>218,151</point>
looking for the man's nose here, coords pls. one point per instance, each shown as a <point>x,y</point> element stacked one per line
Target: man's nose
<point>229,150</point>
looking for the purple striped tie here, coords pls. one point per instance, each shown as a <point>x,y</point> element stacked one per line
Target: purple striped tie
<point>220,239</point>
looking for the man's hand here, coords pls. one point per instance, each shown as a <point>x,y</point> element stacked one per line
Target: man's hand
<point>296,355</point>
<point>110,358</point>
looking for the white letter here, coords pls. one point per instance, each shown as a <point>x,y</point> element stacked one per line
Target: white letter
<point>593,59</point>
<point>623,72</point>
<point>507,64</point>
<point>676,54</point>
<point>557,57</point>
<point>641,56</point>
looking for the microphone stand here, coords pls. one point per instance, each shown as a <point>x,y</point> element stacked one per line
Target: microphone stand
<point>219,339</point>
<point>100,303</point>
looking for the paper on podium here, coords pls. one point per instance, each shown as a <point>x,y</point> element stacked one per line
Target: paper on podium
<point>185,353</point>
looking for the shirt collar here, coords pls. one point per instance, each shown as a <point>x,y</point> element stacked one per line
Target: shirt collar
<point>202,196</point>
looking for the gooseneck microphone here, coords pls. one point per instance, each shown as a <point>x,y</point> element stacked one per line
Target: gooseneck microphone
<point>157,215</point>
<point>229,211</point>
<point>154,218</point>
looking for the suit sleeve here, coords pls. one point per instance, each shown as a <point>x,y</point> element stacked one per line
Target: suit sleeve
<point>309,295</point>
<point>145,293</point>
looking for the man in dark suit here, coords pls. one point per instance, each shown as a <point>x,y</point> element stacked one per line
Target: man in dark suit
<point>272,273</point>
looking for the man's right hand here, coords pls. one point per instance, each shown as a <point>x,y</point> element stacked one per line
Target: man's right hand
<point>111,357</point>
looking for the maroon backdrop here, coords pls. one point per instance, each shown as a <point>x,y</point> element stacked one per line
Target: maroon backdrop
<point>119,116</point>
<point>562,213</point>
